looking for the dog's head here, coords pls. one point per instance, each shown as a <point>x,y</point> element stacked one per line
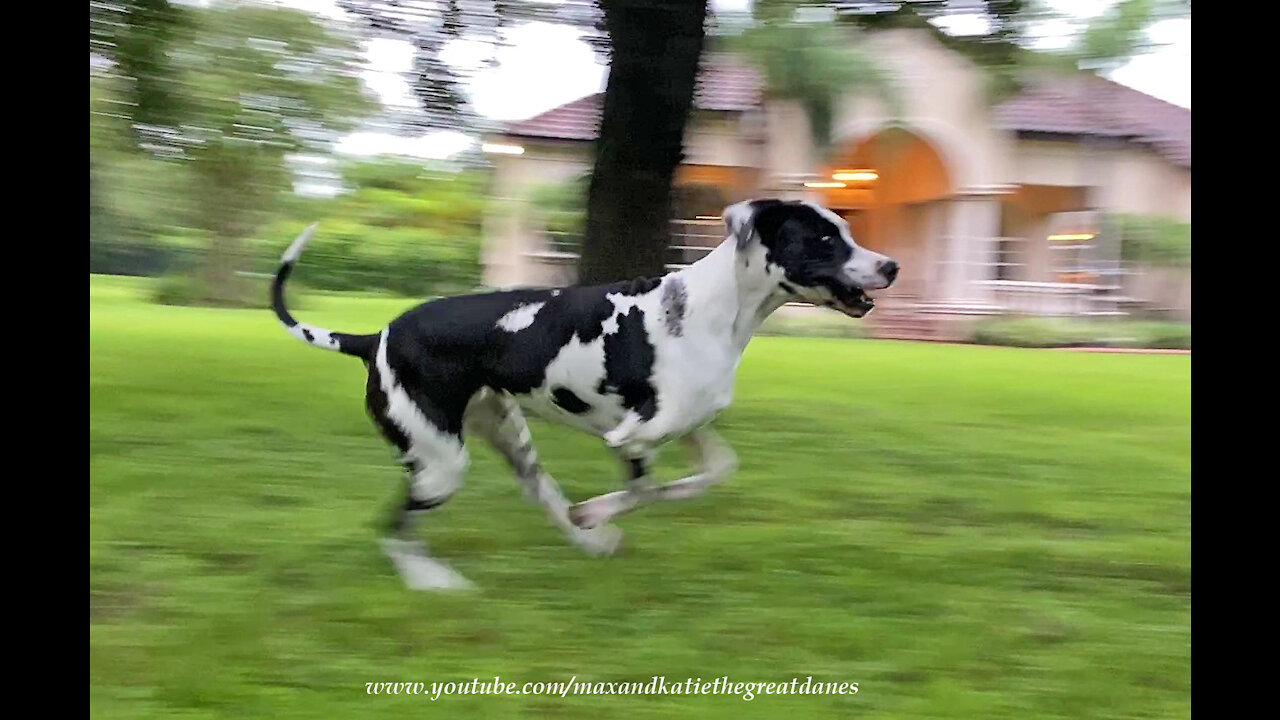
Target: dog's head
<point>809,250</point>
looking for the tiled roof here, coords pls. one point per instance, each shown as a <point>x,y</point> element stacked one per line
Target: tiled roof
<point>577,120</point>
<point>726,83</point>
<point>723,84</point>
<point>1099,107</point>
<point>1090,106</point>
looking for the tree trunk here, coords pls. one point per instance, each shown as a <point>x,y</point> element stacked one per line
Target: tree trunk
<point>656,46</point>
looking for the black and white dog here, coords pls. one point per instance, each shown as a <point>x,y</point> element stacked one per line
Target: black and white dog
<point>638,363</point>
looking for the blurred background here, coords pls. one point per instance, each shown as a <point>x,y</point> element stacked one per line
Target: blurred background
<point>1020,544</point>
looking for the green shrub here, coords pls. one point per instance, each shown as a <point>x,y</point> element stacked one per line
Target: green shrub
<point>1046,332</point>
<point>1163,335</point>
<point>1032,332</point>
<point>178,290</point>
<point>252,291</point>
<point>820,323</point>
<point>404,229</point>
<point>1153,240</point>
<point>412,261</point>
<point>561,208</point>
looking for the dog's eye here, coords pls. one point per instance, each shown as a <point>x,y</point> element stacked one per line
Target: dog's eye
<point>828,239</point>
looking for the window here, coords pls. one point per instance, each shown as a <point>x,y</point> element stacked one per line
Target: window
<point>1009,258</point>
<point>1073,246</point>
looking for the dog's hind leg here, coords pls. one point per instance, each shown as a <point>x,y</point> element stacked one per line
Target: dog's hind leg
<point>435,461</point>
<point>409,553</point>
<point>499,420</point>
<point>712,455</point>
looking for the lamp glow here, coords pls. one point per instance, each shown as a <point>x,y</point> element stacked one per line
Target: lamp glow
<point>856,175</point>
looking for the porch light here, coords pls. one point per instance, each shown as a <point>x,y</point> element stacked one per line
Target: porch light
<point>825,185</point>
<point>856,175</point>
<point>502,149</point>
<point>1072,237</point>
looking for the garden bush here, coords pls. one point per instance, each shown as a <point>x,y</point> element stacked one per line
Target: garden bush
<point>1075,332</point>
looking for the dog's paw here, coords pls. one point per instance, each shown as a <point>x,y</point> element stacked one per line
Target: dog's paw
<point>596,511</point>
<point>585,515</point>
<point>600,541</point>
<point>418,570</point>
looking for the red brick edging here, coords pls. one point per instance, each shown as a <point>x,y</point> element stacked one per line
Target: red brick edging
<point>1134,351</point>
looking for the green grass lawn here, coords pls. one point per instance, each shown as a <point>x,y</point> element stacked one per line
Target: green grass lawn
<point>966,532</point>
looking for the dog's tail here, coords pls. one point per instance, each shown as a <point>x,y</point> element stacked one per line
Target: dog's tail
<point>362,346</point>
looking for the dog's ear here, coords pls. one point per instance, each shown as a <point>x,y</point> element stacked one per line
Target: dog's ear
<point>740,218</point>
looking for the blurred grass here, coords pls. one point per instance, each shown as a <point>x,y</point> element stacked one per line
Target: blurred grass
<point>964,531</point>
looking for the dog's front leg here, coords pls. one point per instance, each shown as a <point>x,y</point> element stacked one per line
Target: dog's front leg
<point>713,456</point>
<point>710,452</point>
<point>639,490</point>
<point>499,420</point>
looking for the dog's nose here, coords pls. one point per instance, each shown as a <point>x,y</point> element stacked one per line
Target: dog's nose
<point>889,269</point>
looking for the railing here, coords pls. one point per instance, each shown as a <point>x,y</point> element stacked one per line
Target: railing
<point>691,240</point>
<point>1039,298</point>
<point>1081,283</point>
<point>1062,299</point>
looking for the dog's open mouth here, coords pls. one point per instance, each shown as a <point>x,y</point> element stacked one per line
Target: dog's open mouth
<point>854,302</point>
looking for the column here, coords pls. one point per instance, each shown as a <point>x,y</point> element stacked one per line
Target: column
<point>972,229</point>
<point>788,154</point>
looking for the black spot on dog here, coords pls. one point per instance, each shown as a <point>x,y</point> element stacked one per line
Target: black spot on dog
<point>568,401</point>
<point>674,301</point>
<point>638,469</point>
<point>376,403</point>
<point>628,365</point>
<point>638,286</point>
<point>414,505</point>
<point>798,239</point>
<point>808,247</point>
<point>307,334</point>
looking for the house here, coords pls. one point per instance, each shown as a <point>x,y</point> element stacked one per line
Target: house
<point>989,208</point>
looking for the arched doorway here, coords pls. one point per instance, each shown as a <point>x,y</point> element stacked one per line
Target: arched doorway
<point>892,187</point>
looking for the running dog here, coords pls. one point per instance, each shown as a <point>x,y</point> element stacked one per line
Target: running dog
<point>638,363</point>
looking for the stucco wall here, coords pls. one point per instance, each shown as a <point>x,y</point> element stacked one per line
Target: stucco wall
<point>1127,178</point>
<point>510,228</point>
<point>942,100</point>
<point>723,138</point>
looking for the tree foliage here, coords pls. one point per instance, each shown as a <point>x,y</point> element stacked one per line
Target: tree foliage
<point>431,26</point>
<point>813,63</point>
<point>219,96</point>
